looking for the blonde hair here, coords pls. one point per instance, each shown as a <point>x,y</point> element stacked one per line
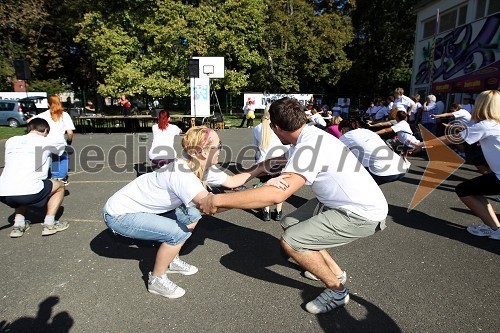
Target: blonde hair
<point>399,91</point>
<point>195,141</point>
<point>265,130</point>
<point>336,120</point>
<point>55,106</point>
<point>487,106</point>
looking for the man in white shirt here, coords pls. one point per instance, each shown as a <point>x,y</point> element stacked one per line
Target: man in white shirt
<point>24,182</point>
<point>349,205</point>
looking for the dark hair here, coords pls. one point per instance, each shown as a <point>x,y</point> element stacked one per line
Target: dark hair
<point>351,124</point>
<point>456,106</point>
<point>401,115</point>
<point>163,117</point>
<point>287,114</point>
<point>38,124</point>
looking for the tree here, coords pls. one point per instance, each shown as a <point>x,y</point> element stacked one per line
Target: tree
<point>382,50</point>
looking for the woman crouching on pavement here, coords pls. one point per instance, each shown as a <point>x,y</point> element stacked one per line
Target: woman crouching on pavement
<point>160,206</point>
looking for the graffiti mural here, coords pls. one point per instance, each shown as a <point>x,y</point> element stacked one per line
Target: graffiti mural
<point>461,52</point>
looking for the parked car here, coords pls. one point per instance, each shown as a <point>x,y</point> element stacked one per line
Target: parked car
<point>11,113</point>
<point>29,107</point>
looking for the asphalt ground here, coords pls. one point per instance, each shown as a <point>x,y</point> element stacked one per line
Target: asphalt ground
<point>423,273</point>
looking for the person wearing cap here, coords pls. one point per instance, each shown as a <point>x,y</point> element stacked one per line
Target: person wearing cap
<point>400,98</point>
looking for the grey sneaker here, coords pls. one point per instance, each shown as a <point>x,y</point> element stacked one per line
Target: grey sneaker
<point>52,229</point>
<point>342,277</point>
<point>180,266</point>
<point>327,301</point>
<point>18,231</point>
<point>161,285</point>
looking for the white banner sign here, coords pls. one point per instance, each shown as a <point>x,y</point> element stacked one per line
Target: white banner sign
<point>261,100</point>
<point>200,97</point>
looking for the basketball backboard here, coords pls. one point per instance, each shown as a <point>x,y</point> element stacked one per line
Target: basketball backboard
<point>211,67</point>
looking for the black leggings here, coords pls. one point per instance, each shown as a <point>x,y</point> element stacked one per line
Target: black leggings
<point>487,184</point>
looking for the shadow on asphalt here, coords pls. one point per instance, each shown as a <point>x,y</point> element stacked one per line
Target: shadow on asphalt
<point>419,220</point>
<point>61,322</point>
<point>106,244</point>
<point>340,320</point>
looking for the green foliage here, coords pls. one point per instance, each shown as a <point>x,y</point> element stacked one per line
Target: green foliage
<point>142,47</point>
<point>50,86</point>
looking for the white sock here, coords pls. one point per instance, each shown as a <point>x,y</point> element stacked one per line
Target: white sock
<point>49,220</point>
<point>19,221</point>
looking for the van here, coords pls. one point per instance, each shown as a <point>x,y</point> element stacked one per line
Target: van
<point>11,113</point>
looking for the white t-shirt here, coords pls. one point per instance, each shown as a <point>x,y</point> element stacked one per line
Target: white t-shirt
<point>338,179</point>
<point>462,114</point>
<point>404,132</point>
<point>487,132</point>
<point>27,162</point>
<point>406,101</point>
<point>58,128</point>
<point>275,149</point>
<point>163,142</point>
<point>214,176</point>
<point>373,153</point>
<point>318,119</point>
<point>157,192</point>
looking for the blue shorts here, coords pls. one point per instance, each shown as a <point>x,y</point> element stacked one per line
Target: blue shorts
<point>38,200</point>
<point>170,227</point>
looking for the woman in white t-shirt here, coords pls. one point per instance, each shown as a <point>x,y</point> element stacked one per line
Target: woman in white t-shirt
<point>160,205</point>
<point>60,125</point>
<point>484,129</point>
<point>269,146</point>
<point>162,149</point>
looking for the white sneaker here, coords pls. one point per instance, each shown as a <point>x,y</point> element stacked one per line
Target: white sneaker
<point>18,231</point>
<point>481,230</point>
<point>495,234</point>
<point>327,301</point>
<point>161,285</point>
<point>52,229</point>
<point>180,266</point>
<point>342,277</point>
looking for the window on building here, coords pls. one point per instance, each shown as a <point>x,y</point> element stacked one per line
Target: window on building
<point>429,28</point>
<point>494,7</point>
<point>462,15</point>
<point>448,21</point>
<point>480,8</point>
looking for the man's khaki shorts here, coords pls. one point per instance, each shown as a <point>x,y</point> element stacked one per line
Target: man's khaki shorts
<point>314,226</point>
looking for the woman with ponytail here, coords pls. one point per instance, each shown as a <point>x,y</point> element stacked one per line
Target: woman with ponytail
<point>162,149</point>
<point>161,205</point>
<point>60,125</point>
<point>269,146</point>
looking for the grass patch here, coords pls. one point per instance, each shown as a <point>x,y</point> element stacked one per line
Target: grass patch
<point>7,132</point>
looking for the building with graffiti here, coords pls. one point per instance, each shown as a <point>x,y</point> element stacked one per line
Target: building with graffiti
<point>457,48</point>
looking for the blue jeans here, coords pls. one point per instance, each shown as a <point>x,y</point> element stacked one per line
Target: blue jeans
<point>59,168</point>
<point>170,227</point>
